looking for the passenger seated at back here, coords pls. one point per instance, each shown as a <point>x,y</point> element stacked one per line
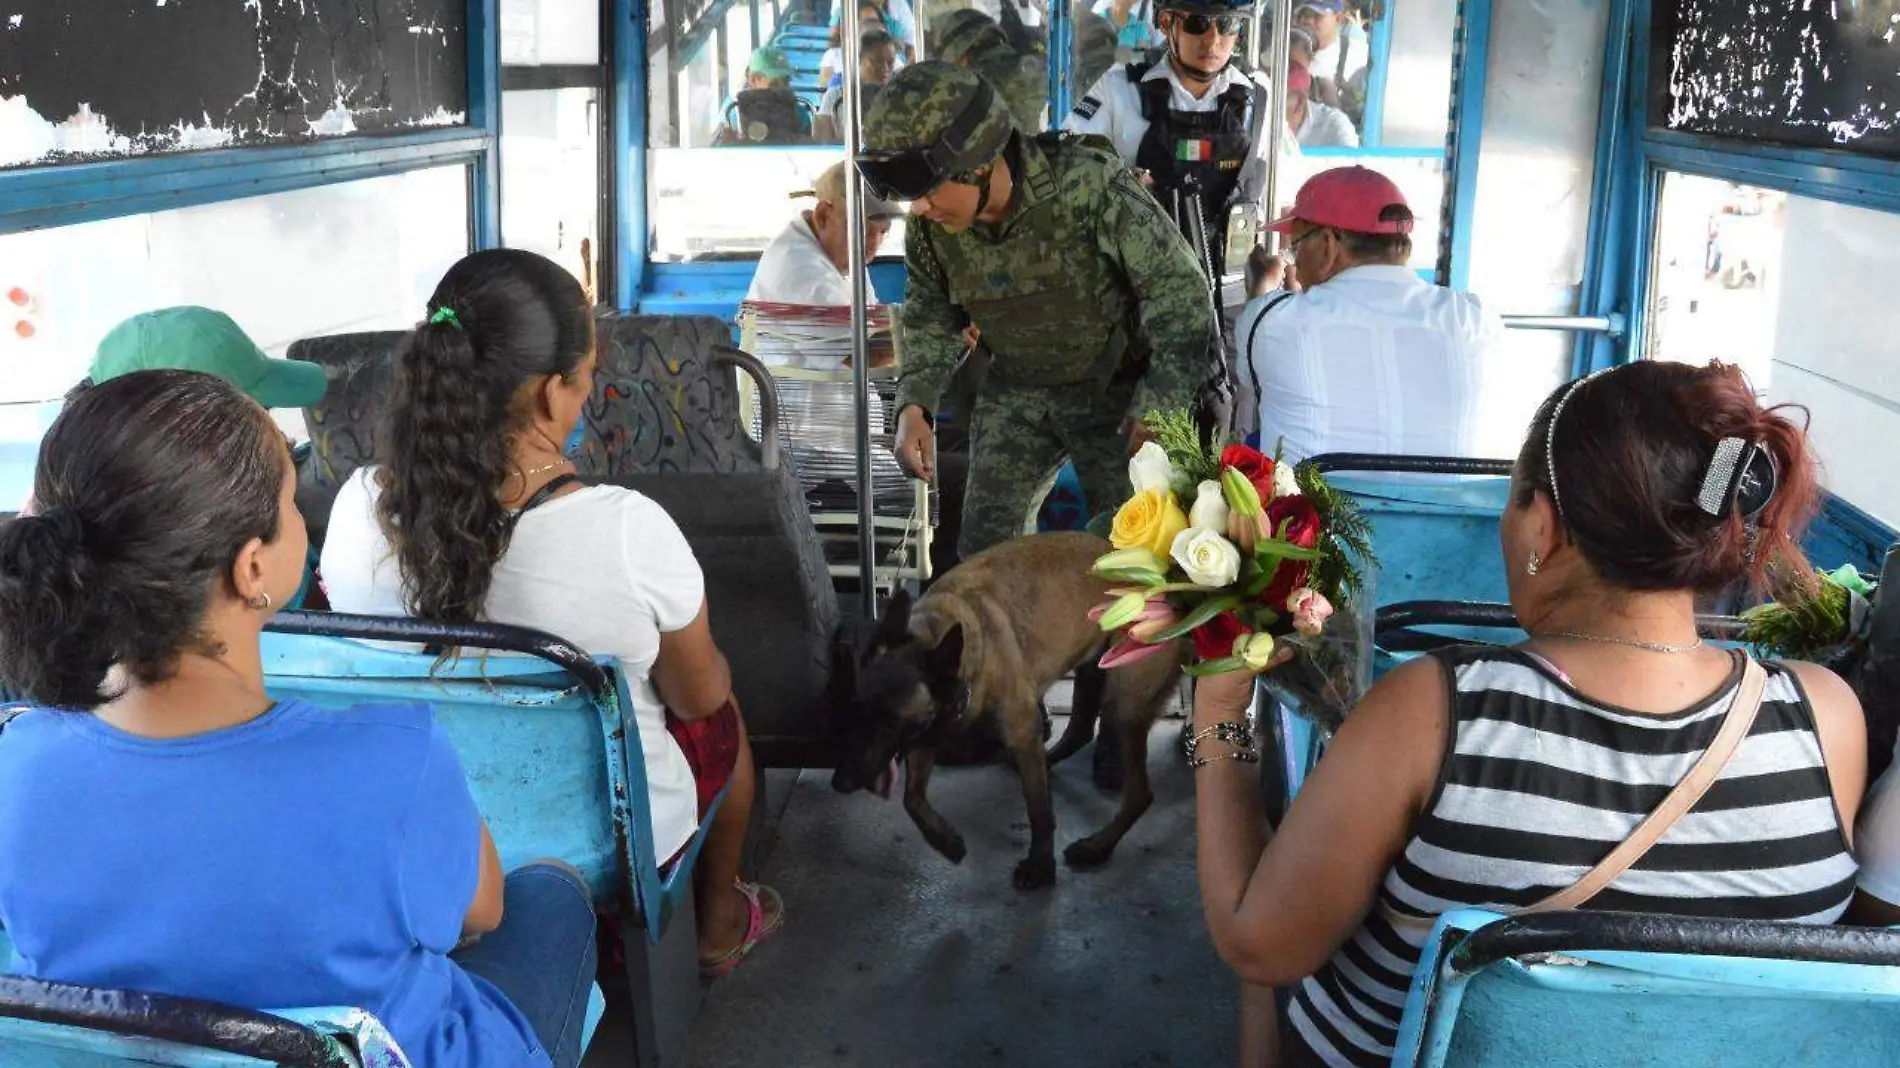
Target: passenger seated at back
<point>167,827</point>
<point>476,514</point>
<point>1494,778</point>
<point>1877,902</point>
<point>809,261</point>
<point>877,58</point>
<point>766,111</point>
<point>1370,357</point>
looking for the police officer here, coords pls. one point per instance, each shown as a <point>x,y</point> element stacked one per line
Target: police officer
<point>1086,296</point>
<point>1191,122</point>
<point>1194,127</point>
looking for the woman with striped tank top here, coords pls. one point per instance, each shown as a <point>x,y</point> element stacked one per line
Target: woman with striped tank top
<point>1499,777</point>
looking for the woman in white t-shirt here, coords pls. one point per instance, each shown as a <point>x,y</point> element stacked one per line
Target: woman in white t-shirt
<point>476,514</point>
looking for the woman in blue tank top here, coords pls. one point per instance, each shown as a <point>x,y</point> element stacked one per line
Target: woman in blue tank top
<point>166,827</point>
<point>1498,778</point>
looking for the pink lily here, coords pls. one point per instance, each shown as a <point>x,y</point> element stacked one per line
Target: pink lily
<point>1128,651</point>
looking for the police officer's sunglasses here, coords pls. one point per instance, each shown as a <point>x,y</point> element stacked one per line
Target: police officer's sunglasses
<point>1196,25</point>
<point>910,173</point>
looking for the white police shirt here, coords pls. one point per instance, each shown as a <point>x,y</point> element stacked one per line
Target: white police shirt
<point>1375,360</point>
<point>1113,109</point>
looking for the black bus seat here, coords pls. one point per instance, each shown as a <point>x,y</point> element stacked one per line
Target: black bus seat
<point>342,426</point>
<point>665,420</point>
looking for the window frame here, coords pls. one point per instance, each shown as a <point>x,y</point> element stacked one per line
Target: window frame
<point>1632,157</point>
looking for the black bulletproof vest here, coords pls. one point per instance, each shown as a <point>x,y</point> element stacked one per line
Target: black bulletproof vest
<point>1198,151</point>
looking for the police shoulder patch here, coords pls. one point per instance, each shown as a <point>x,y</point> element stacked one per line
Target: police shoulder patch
<point>1088,107</point>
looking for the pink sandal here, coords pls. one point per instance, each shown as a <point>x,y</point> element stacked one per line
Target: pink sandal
<point>765,914</point>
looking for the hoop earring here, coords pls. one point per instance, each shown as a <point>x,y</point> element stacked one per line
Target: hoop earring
<point>1531,566</point>
<point>259,603</point>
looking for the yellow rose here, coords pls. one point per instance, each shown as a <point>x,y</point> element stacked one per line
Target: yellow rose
<point>1149,520</point>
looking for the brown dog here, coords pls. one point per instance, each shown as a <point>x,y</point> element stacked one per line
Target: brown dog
<point>979,649</point>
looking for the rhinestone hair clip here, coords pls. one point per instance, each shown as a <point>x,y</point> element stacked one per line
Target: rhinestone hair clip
<point>1733,482</point>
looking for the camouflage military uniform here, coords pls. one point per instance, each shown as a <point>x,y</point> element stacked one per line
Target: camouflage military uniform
<point>1092,308</point>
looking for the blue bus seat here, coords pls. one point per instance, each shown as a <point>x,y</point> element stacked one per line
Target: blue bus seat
<point>552,759</point>
<point>62,1025</point>
<point>665,420</point>
<point>1566,989</point>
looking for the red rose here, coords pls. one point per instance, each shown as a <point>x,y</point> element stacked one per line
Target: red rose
<point>1250,463</point>
<point>1302,529</point>
<point>1214,639</point>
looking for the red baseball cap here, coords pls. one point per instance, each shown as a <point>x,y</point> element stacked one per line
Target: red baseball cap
<point>1350,198</point>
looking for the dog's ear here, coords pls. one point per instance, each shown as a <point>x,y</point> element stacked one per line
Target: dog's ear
<point>946,660</point>
<point>894,627</point>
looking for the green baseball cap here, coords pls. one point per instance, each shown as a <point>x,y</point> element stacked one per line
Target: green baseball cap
<point>199,339</point>
<point>769,62</point>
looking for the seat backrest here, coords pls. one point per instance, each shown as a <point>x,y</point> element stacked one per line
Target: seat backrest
<point>555,768</point>
<point>663,401</point>
<point>361,370</point>
<point>1598,988</point>
<point>1434,523</point>
<point>62,1025</point>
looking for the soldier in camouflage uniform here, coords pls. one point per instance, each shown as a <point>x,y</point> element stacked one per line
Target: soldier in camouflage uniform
<point>972,39</point>
<point>1088,299</point>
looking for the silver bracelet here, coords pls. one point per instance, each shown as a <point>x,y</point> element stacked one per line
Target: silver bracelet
<point>1245,756</point>
<point>1237,735</point>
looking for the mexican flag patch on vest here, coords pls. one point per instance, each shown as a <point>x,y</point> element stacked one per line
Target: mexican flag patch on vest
<point>1194,151</point>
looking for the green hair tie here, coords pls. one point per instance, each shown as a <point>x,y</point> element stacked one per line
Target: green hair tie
<point>445,314</point>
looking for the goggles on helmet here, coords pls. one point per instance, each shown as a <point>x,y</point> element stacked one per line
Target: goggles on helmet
<point>911,173</point>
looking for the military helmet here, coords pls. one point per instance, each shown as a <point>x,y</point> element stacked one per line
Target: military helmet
<point>932,121</point>
<point>976,43</point>
<point>951,30</point>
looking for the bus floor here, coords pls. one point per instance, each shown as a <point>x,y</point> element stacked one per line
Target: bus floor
<point>891,955</point>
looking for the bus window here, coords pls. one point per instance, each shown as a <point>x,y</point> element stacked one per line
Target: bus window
<point>1792,289</point>
<point>552,78</point>
<point>361,255</point>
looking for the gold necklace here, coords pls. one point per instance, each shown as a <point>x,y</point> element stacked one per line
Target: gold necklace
<point>1634,643</point>
<point>530,473</point>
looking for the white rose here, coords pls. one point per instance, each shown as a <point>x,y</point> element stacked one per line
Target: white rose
<point>1209,559</point>
<point>1149,469</point>
<point>1284,484</point>
<point>1210,508</point>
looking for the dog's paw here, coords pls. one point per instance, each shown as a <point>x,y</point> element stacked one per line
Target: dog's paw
<point>1034,873</point>
<point>1090,852</point>
<point>950,845</point>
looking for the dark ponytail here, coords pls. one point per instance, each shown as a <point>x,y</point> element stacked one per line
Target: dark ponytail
<point>147,487</point>
<point>499,320</point>
<point>1632,451</point>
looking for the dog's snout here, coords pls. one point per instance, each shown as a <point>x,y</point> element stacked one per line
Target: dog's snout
<point>845,781</point>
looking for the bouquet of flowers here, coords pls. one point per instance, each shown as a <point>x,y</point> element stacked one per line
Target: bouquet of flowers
<point>1265,555</point>
<point>1824,619</point>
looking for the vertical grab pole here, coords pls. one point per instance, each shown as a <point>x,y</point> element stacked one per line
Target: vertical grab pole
<point>860,347</point>
<point>1276,126</point>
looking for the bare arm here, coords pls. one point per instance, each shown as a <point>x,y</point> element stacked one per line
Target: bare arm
<point>484,913</point>
<point>691,674</point>
<point>1278,905</point>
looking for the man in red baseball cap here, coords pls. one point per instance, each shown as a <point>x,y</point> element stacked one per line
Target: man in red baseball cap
<point>1369,357</point>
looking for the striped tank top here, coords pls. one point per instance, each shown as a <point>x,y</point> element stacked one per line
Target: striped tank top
<point>1538,784</point>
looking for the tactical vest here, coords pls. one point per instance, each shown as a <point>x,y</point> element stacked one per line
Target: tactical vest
<point>1052,310</point>
<point>1204,151</point>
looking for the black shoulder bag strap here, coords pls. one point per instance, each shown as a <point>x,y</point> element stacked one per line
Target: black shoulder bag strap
<point>1246,353</point>
<point>547,492</point>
